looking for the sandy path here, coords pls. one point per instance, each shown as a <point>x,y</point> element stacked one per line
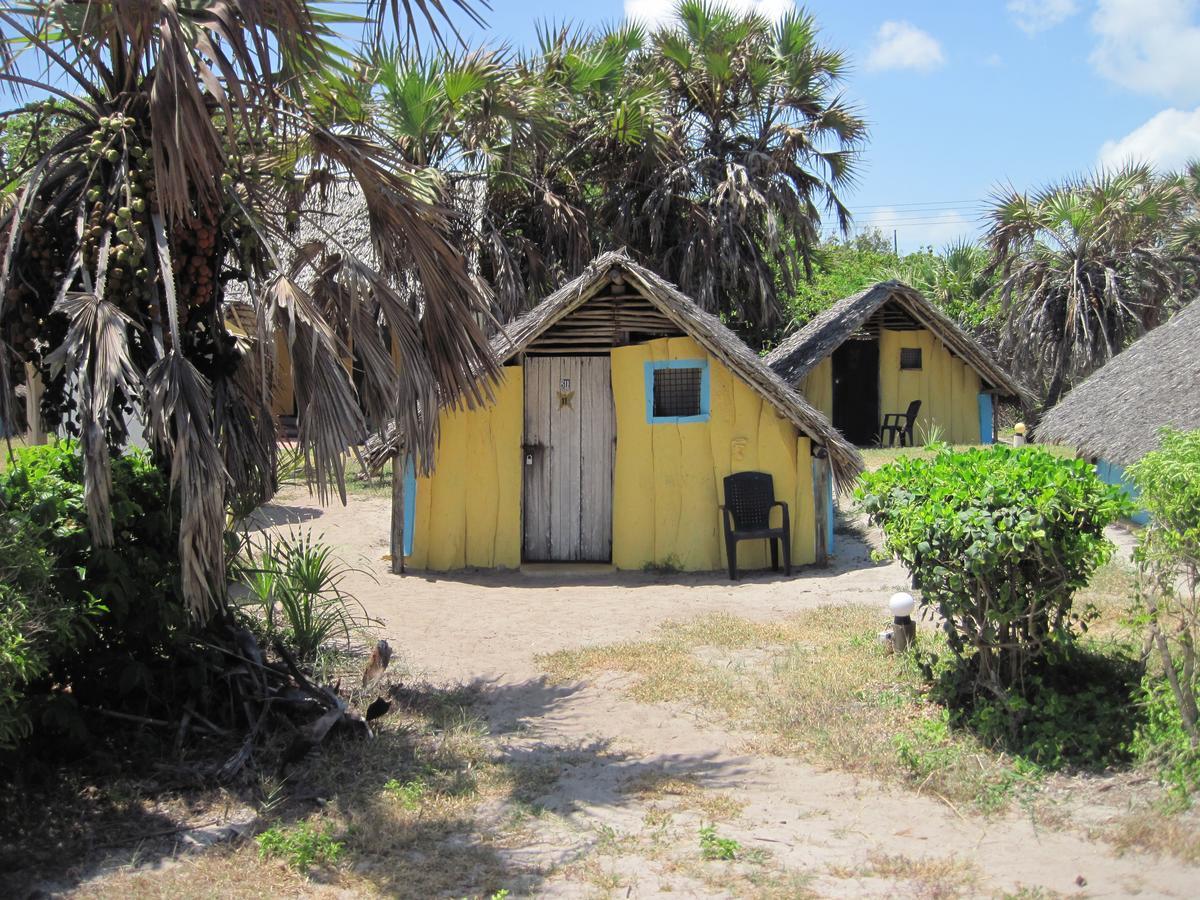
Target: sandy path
<point>487,628</point>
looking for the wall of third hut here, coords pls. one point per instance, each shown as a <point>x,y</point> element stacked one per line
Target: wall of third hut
<point>947,387</point>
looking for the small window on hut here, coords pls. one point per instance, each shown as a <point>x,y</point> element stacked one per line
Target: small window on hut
<point>677,391</point>
<point>910,357</point>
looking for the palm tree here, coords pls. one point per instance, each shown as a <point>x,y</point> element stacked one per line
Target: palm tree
<point>195,134</point>
<point>710,149</point>
<point>760,145</point>
<point>957,279</point>
<point>1084,267</point>
<point>545,217</point>
<point>475,117</point>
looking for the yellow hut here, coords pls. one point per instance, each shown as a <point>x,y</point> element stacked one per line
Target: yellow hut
<point>872,355</point>
<point>621,408</point>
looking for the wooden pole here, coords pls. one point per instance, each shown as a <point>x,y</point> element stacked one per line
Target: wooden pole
<point>398,467</point>
<point>821,508</point>
<point>33,405</point>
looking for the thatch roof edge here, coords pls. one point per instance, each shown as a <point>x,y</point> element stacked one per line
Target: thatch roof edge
<point>1117,412</point>
<point>796,356</point>
<point>705,329</point>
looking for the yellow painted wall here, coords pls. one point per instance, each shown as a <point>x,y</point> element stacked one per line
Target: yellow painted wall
<point>817,387</point>
<point>946,386</point>
<point>468,512</point>
<point>668,478</point>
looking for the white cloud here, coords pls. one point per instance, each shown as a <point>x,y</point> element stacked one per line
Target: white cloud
<point>1167,141</point>
<point>1033,16</point>
<point>660,12</point>
<point>902,45</point>
<point>1149,46</point>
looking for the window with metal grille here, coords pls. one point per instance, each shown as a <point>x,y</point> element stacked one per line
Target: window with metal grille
<point>910,357</point>
<point>677,391</point>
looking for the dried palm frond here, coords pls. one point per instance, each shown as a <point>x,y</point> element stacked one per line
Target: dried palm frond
<point>194,134</point>
<point>96,352</point>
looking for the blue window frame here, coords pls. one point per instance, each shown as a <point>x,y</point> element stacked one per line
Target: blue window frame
<point>677,384</point>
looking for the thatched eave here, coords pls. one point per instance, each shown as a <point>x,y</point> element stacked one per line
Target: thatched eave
<point>706,329</point>
<point>800,353</point>
<point>1118,412</point>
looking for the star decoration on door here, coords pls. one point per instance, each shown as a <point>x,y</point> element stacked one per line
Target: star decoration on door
<point>566,399</point>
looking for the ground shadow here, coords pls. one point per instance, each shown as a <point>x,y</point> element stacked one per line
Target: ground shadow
<point>273,515</point>
<point>853,545</point>
<point>491,783</point>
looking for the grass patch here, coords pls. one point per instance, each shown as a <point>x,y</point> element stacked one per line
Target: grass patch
<point>686,794</point>
<point>1170,832</point>
<point>362,483</point>
<point>925,876</point>
<point>410,813</point>
<point>713,846</point>
<point>820,686</point>
<point>301,846</point>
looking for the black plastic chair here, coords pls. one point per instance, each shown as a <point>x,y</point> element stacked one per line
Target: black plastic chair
<point>746,516</point>
<point>900,425</point>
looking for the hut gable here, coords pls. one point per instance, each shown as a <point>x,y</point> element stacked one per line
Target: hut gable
<point>888,305</point>
<point>1117,413</point>
<point>614,301</point>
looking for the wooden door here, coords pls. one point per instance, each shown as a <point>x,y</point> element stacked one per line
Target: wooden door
<point>569,451</point>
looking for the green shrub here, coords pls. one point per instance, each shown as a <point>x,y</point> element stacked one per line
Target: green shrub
<point>1168,557</point>
<point>301,846</point>
<point>998,541</point>
<point>713,846</point>
<point>84,625</point>
<point>1161,738</point>
<point>36,627</point>
<point>296,581</point>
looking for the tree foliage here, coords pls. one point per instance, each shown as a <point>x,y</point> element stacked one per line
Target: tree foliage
<point>955,278</point>
<point>998,540</point>
<point>193,135</point>
<point>1168,557</point>
<point>711,148</point>
<point>1087,265</point>
<point>84,624</point>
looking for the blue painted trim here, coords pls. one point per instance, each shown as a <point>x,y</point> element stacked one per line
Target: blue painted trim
<point>829,506</point>
<point>410,503</point>
<point>705,409</point>
<point>986,433</point>
<point>1111,473</point>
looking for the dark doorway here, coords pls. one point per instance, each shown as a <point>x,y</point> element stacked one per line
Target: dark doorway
<point>856,391</point>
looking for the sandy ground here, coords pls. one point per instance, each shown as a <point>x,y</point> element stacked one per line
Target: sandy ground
<point>487,628</point>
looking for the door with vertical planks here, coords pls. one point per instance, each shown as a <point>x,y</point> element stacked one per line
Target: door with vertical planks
<point>569,452</point>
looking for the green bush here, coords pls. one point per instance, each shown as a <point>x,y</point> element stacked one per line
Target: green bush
<point>36,627</point>
<point>301,846</point>
<point>84,625</point>
<point>998,541</point>
<point>296,582</point>
<point>1168,557</point>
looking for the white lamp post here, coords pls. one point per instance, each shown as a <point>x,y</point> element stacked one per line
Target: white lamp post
<point>904,630</point>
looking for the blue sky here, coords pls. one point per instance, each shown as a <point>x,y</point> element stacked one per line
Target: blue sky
<point>966,96</point>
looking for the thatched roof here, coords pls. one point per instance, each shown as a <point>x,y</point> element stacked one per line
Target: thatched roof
<point>1116,414</point>
<point>338,218</point>
<point>793,359</point>
<point>702,327</point>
